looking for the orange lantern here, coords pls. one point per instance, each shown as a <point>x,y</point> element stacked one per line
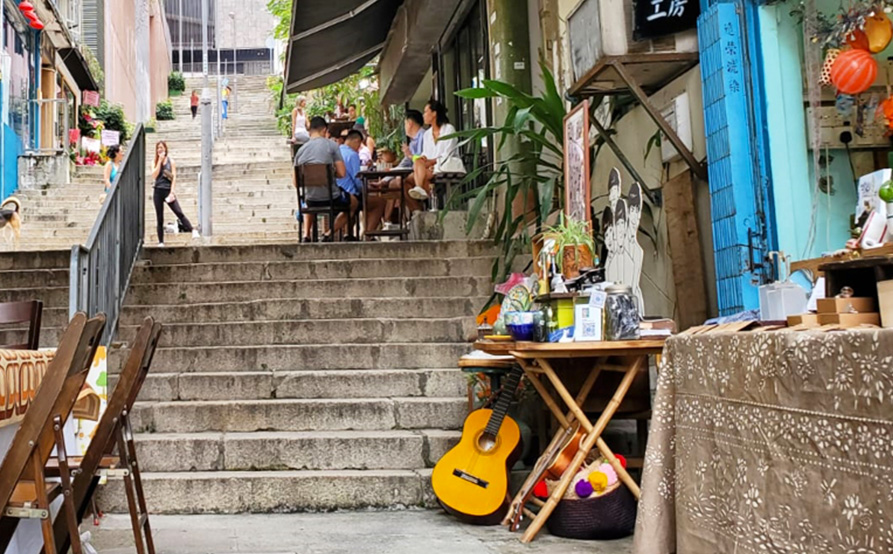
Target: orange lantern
<point>878,30</point>
<point>886,108</point>
<point>858,40</point>
<point>854,71</point>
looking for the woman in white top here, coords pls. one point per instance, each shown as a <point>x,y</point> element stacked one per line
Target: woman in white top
<point>299,123</point>
<point>438,156</point>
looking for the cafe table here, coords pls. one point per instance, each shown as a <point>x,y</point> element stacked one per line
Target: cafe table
<point>399,195</point>
<point>771,442</point>
<point>626,358</point>
<point>21,372</point>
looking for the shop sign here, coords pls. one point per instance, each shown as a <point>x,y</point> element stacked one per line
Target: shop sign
<point>21,373</point>
<point>91,144</point>
<point>91,98</point>
<point>111,138</point>
<point>657,18</point>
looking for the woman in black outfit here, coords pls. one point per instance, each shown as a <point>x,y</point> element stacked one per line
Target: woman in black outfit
<point>164,171</point>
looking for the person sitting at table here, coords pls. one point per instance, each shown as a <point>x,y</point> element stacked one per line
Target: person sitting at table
<point>350,183</point>
<point>438,156</point>
<point>321,150</point>
<point>413,125</point>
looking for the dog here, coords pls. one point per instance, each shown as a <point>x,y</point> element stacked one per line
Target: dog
<point>11,219</point>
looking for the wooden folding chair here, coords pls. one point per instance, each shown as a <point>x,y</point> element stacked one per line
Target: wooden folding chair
<point>310,176</point>
<point>113,430</point>
<point>28,312</point>
<point>24,491</point>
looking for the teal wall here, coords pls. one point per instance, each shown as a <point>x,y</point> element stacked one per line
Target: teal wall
<point>9,173</point>
<point>790,159</point>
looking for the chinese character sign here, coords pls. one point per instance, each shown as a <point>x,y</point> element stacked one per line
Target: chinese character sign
<point>576,163</point>
<point>656,18</point>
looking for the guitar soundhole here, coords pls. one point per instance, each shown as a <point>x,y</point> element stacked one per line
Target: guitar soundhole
<point>486,442</point>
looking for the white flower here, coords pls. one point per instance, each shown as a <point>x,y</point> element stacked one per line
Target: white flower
<point>852,509</point>
<point>752,497</point>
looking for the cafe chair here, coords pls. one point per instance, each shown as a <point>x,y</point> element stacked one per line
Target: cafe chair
<point>13,313</point>
<point>310,176</point>
<point>24,491</point>
<point>114,430</point>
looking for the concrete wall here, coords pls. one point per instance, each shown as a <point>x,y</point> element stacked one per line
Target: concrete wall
<point>633,132</point>
<point>120,56</point>
<point>159,56</point>
<point>136,59</point>
<point>254,23</point>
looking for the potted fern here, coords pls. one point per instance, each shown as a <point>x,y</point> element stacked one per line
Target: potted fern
<point>575,246</point>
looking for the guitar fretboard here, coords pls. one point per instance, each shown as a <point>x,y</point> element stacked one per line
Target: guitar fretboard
<point>505,400</point>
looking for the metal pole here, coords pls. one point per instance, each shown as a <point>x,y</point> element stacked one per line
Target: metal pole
<point>204,196</point>
<point>219,119</point>
<point>205,41</point>
<point>232,15</point>
<point>180,36</point>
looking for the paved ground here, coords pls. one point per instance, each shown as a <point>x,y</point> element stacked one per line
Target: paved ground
<point>400,532</point>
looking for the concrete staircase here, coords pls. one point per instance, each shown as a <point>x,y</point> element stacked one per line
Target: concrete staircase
<point>36,275</point>
<point>301,377</point>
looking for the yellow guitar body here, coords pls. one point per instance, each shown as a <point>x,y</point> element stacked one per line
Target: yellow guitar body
<point>471,480</point>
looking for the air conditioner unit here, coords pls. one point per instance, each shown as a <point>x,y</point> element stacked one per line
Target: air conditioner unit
<point>598,28</point>
<point>678,116</point>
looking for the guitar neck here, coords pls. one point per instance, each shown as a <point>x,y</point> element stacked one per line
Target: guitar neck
<point>505,400</point>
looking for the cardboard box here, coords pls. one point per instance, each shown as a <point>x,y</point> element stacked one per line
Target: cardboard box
<point>847,305</point>
<point>808,320</point>
<point>850,320</point>
<point>885,299</point>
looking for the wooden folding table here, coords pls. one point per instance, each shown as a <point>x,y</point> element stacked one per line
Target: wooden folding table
<point>625,357</point>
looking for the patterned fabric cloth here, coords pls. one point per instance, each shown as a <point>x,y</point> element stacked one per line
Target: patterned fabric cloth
<point>771,443</point>
<point>21,372</point>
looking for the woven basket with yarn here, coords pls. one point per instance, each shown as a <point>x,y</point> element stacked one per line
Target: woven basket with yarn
<point>611,515</point>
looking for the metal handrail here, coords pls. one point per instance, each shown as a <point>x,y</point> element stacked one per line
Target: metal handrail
<point>101,269</point>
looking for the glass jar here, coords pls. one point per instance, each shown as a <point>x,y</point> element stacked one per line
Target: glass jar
<point>621,313</point>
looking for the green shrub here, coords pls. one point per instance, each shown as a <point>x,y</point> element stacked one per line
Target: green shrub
<point>176,82</point>
<point>113,116</point>
<point>106,116</point>
<point>164,111</point>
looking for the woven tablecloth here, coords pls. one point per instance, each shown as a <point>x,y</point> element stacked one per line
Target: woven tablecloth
<point>770,443</point>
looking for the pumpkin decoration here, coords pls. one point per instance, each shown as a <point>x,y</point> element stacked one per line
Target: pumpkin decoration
<point>858,40</point>
<point>878,31</point>
<point>854,71</point>
<point>886,110</point>
<point>830,56</point>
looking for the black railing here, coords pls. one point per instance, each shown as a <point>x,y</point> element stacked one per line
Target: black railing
<point>101,269</point>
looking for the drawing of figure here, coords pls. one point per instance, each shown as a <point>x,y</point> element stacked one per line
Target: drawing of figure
<point>617,273</point>
<point>633,249</point>
<point>610,242</point>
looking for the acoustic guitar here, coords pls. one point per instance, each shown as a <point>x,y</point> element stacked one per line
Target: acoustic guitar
<point>471,480</point>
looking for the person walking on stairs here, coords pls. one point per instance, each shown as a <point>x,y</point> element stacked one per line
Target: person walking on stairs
<point>193,103</point>
<point>110,171</point>
<point>164,171</point>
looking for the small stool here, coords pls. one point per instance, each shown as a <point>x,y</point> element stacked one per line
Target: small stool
<point>494,369</point>
<point>442,187</point>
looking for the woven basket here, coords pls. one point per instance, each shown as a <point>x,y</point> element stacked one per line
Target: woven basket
<point>609,516</point>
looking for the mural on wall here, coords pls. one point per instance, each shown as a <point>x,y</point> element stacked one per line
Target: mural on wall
<point>621,219</point>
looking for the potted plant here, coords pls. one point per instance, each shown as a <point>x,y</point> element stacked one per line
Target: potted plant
<point>575,245</point>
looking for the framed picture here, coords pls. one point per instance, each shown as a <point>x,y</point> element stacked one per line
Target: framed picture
<point>576,163</point>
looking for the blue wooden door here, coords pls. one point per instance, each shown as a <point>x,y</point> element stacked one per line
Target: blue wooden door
<point>739,182</point>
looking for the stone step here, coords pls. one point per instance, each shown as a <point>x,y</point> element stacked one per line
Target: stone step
<point>307,308</point>
<point>372,414</point>
<point>296,450</point>
<point>320,251</point>
<point>300,357</point>
<point>34,278</point>
<point>413,287</point>
<point>24,260</point>
<point>49,336</point>
<point>50,296</point>
<point>296,332</point>
<point>333,384</point>
<point>361,268</point>
<point>275,491</point>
